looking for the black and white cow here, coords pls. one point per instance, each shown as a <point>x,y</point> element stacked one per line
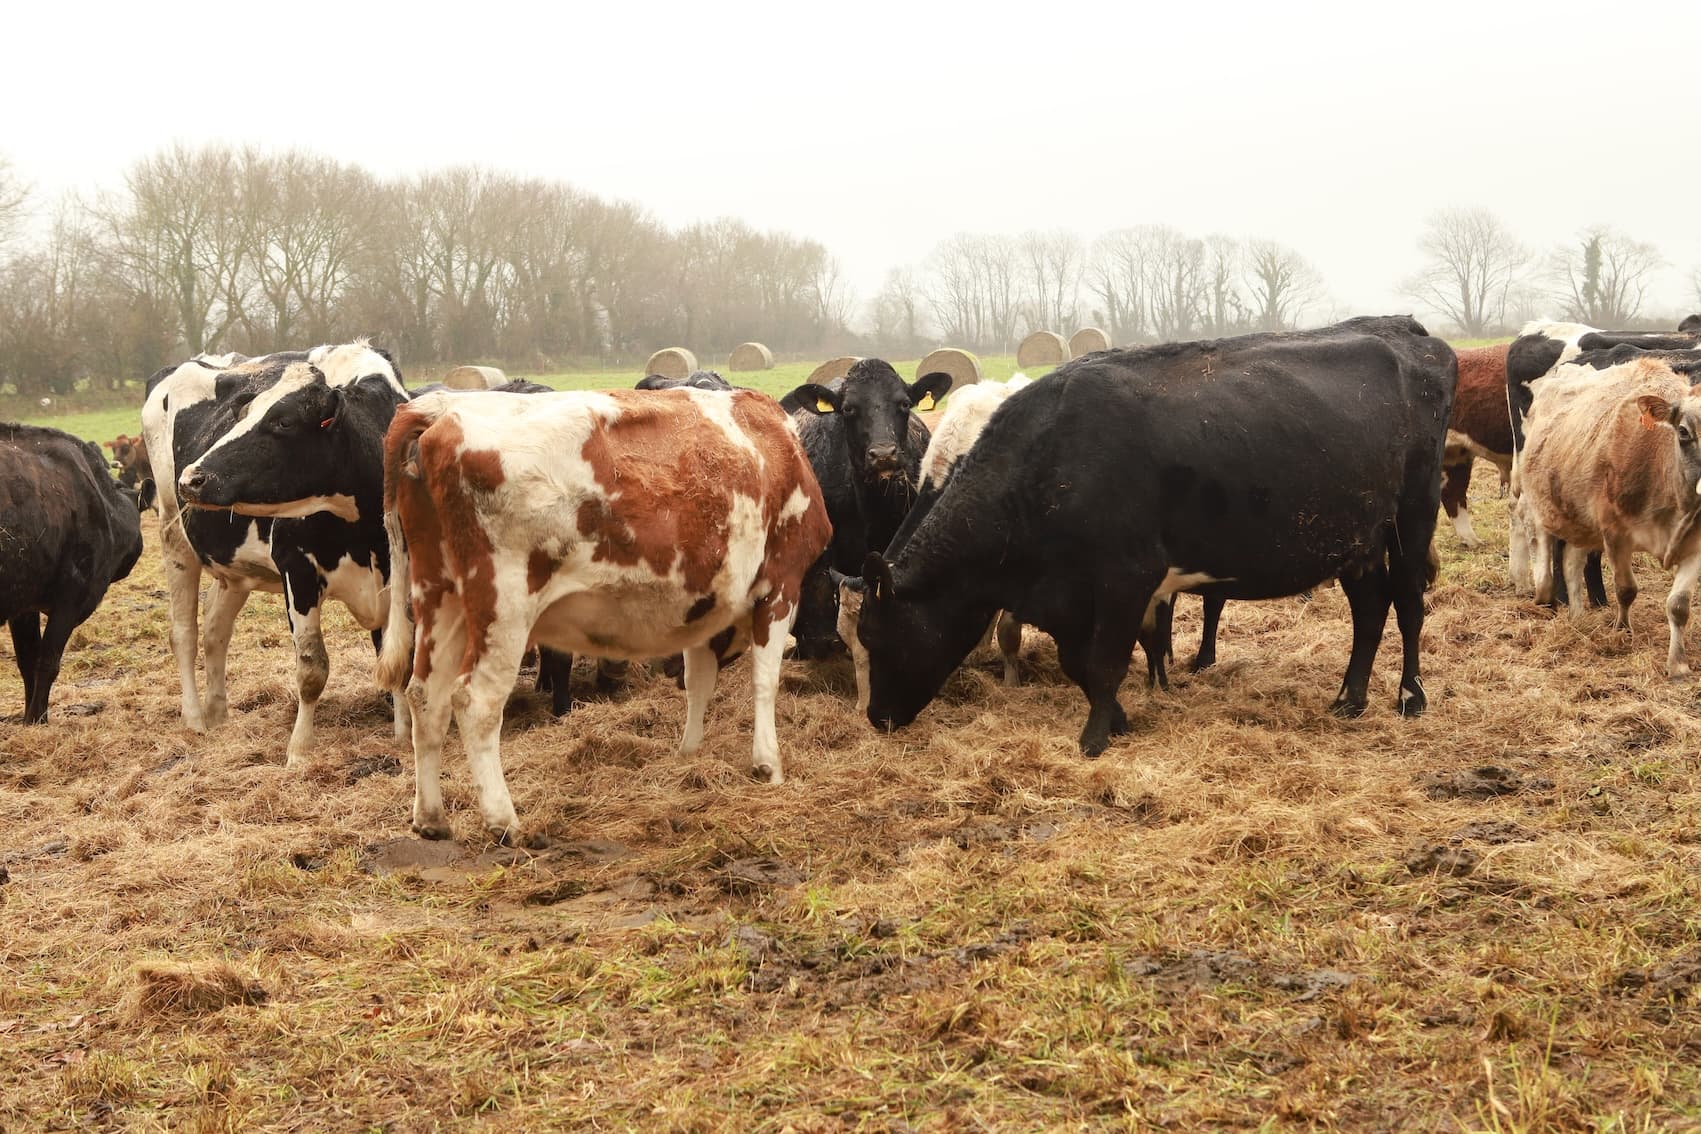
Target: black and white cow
<point>1246,468</point>
<point>270,475</point>
<point>69,532</point>
<point>696,380</point>
<point>1539,349</point>
<point>865,443</point>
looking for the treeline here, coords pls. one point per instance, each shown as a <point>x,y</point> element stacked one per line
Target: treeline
<point>223,249</point>
<point>1149,283</point>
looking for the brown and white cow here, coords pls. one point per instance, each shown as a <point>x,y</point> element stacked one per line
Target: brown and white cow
<point>130,459</point>
<point>1611,462</point>
<point>621,523</point>
<point>1480,426</point>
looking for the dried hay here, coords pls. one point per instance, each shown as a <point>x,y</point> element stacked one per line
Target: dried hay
<point>474,378</point>
<point>1087,340</point>
<point>1042,348</point>
<point>973,894</point>
<point>170,988</point>
<point>671,362</point>
<point>750,356</point>
<point>963,367</point>
<point>833,368</point>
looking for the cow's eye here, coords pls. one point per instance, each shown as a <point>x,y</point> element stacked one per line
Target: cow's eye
<point>283,427</point>
<point>1685,435</point>
<point>849,411</point>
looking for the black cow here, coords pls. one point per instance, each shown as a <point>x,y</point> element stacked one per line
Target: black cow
<point>865,444</point>
<point>1691,324</point>
<point>696,380</point>
<point>280,459</point>
<point>1245,468</point>
<point>1533,355</point>
<point>69,532</point>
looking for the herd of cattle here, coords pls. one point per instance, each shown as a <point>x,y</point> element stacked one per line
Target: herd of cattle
<point>696,521</point>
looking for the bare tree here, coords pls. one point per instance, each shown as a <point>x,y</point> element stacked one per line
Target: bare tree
<point>1603,278</point>
<point>898,314</point>
<point>1473,264</point>
<point>1224,309</point>
<point>14,196</point>
<point>834,299</point>
<point>1052,262</point>
<point>1117,274</point>
<point>1281,283</point>
<point>1175,283</point>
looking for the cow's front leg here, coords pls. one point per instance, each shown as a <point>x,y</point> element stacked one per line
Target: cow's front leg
<point>224,603</point>
<point>302,597</point>
<point>183,583</point>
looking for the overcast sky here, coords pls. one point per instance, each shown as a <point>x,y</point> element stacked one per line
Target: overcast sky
<point>880,129</point>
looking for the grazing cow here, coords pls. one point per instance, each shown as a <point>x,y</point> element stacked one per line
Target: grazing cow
<point>954,431</point>
<point>270,478</point>
<point>130,457</point>
<point>1480,427</point>
<point>69,532</point>
<point>616,523</point>
<point>865,444</point>
<point>697,380</point>
<point>1612,463</point>
<point>1248,468</point>
<point>1532,356</point>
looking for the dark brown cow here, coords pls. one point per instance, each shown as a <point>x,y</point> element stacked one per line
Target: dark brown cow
<point>1480,426</point>
<point>629,524</point>
<point>67,533</point>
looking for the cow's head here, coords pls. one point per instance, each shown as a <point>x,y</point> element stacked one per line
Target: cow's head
<point>289,451</point>
<point>913,642</point>
<point>1683,418</point>
<point>875,406</point>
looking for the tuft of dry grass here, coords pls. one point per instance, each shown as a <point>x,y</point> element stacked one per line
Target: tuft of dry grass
<point>1246,914</point>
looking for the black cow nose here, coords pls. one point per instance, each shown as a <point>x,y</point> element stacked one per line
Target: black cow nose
<point>883,454</point>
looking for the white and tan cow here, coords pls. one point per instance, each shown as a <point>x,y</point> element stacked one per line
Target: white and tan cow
<point>624,523</point>
<point>1611,463</point>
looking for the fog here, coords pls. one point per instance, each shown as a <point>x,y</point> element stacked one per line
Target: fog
<point>880,129</point>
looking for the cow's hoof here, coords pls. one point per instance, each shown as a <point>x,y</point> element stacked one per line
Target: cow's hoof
<point>438,830</point>
<point>1346,709</point>
<point>514,836</point>
<point>763,774</point>
<point>1119,725</point>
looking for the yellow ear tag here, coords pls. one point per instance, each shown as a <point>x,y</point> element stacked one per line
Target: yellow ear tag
<point>925,404</point>
<point>823,405</point>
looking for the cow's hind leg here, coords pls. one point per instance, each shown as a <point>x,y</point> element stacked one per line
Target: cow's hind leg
<point>1207,655</point>
<point>1594,581</point>
<point>224,603</point>
<point>430,697</point>
<point>1622,553</point>
<point>26,646</point>
<point>701,670</point>
<point>399,707</point>
<point>765,677</point>
<point>1572,565</point>
<point>479,699</point>
<point>1455,499</point>
<point>1368,596</point>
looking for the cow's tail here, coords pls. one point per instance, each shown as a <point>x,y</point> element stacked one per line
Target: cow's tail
<point>401,447</point>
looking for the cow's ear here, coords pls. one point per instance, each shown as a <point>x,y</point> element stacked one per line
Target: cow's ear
<point>145,493</point>
<point>811,398</point>
<point>1656,411</point>
<point>840,580</point>
<point>333,407</point>
<point>926,391</point>
<point>877,576</point>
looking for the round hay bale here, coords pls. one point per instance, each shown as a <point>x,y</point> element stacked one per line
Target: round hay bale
<point>833,368</point>
<point>750,356</point>
<point>963,367</point>
<point>671,362</point>
<point>1042,348</point>
<point>1087,340</point>
<point>474,378</point>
